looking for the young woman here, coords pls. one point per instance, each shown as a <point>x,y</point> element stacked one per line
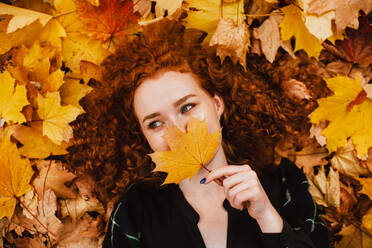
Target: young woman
<point>162,78</point>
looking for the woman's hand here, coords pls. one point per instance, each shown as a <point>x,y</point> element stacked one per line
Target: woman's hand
<point>241,185</point>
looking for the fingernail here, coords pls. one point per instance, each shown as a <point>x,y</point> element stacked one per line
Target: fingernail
<point>203,180</point>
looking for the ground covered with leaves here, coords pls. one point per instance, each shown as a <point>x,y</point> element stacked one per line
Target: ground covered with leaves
<point>50,50</point>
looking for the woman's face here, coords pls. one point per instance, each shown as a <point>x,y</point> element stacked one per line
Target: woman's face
<point>171,98</point>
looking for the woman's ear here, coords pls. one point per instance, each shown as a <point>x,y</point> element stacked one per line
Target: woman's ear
<point>219,104</point>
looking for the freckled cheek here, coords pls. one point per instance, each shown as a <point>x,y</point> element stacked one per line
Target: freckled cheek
<point>210,117</point>
<point>158,143</point>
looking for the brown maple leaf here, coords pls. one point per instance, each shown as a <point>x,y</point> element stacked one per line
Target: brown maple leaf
<point>85,233</point>
<point>42,212</point>
<point>357,48</point>
<point>113,18</point>
<point>346,11</point>
<point>53,176</point>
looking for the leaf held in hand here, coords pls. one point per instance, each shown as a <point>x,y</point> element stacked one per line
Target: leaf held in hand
<point>189,151</point>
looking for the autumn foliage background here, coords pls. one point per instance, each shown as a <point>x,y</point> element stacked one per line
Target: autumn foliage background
<point>50,56</point>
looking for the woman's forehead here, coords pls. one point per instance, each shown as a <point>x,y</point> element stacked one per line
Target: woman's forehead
<point>165,89</point>
<point>170,84</point>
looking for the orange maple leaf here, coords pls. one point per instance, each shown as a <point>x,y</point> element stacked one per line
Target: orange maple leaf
<point>189,151</point>
<point>113,18</point>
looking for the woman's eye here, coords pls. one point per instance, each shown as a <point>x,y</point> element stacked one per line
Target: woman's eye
<point>154,124</point>
<point>187,107</point>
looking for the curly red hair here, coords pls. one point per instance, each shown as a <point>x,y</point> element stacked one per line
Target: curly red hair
<point>109,144</point>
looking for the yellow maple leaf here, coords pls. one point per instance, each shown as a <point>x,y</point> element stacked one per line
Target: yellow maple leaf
<point>22,17</point>
<point>25,35</point>
<point>367,186</point>
<point>189,151</point>
<point>353,237</point>
<point>52,33</point>
<point>40,51</point>
<point>343,123</point>
<point>15,175</point>
<point>90,70</point>
<point>35,145</point>
<point>70,21</point>
<point>293,25</point>
<point>205,14</point>
<point>76,48</point>
<point>72,91</point>
<point>12,99</point>
<point>40,65</point>
<point>56,117</point>
<point>367,220</point>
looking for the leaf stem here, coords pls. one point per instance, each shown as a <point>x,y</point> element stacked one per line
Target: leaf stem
<point>29,211</point>
<point>46,175</point>
<point>64,13</point>
<point>306,154</point>
<point>271,14</point>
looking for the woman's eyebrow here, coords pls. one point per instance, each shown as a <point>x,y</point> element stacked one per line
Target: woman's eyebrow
<point>175,104</point>
<point>183,99</point>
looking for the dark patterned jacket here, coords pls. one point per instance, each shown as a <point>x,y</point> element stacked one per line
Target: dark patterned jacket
<point>161,217</point>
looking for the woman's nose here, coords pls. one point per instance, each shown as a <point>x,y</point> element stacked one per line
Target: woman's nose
<point>179,123</point>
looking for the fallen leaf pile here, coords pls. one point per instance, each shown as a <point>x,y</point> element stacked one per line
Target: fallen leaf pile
<point>50,51</point>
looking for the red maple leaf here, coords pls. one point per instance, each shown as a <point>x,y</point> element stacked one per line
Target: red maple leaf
<point>357,48</point>
<point>113,18</point>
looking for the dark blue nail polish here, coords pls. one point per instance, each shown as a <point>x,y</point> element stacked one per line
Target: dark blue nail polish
<point>203,180</point>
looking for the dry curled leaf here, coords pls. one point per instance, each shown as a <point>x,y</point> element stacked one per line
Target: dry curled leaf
<point>345,161</point>
<point>294,89</point>
<point>85,233</point>
<point>22,17</point>
<point>346,11</point>
<point>205,14</point>
<point>310,156</point>
<point>316,130</point>
<point>325,188</point>
<point>53,176</point>
<point>269,35</point>
<point>44,210</point>
<point>231,40</point>
<point>76,208</point>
